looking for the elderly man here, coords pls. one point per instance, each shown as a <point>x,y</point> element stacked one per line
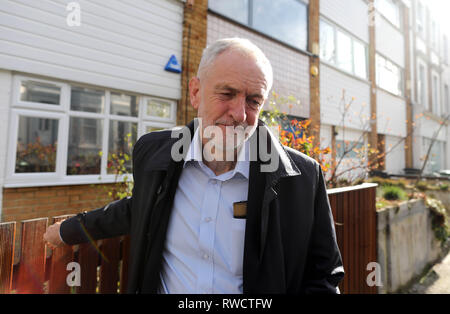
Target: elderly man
<point>215,221</point>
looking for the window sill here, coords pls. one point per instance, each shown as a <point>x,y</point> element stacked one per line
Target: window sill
<point>75,180</point>
<point>353,76</point>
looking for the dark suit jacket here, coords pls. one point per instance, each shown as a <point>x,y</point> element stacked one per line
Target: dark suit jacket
<point>290,240</point>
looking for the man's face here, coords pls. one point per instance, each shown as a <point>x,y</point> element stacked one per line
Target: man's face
<point>231,92</point>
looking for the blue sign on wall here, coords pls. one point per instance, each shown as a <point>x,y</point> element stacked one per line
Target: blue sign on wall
<point>173,65</point>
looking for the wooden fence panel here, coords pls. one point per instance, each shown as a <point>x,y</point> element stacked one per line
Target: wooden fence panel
<point>7,238</point>
<point>88,258</point>
<point>125,263</point>
<point>109,271</point>
<point>31,268</point>
<point>60,258</point>
<point>355,217</point>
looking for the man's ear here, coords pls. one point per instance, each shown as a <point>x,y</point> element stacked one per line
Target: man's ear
<point>194,92</point>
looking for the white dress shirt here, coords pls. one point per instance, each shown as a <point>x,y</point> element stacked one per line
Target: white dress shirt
<point>204,248</point>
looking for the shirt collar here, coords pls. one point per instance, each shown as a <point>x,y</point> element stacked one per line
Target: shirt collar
<point>194,154</point>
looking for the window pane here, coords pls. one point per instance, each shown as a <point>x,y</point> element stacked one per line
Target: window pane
<point>359,53</point>
<point>327,49</point>
<point>285,20</point>
<point>39,92</point>
<point>88,100</point>
<point>233,9</point>
<point>122,136</point>
<point>85,144</point>
<point>348,148</point>
<point>36,145</point>
<point>389,76</point>
<point>159,108</point>
<point>344,52</point>
<point>435,95</point>
<point>124,105</point>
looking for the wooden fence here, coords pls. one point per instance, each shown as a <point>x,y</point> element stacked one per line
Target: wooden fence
<point>40,270</point>
<point>104,263</point>
<point>355,218</point>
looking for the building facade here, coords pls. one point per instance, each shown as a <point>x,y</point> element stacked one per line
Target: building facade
<point>77,90</point>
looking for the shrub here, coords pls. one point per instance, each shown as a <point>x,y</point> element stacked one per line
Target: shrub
<point>422,186</point>
<point>443,187</point>
<point>392,193</point>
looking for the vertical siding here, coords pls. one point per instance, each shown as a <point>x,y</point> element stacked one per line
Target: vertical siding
<point>291,68</point>
<point>391,114</point>
<point>332,84</point>
<point>120,44</point>
<point>389,41</point>
<point>352,15</point>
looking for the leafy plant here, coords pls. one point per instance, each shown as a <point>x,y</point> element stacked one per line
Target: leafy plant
<point>440,222</point>
<point>393,193</point>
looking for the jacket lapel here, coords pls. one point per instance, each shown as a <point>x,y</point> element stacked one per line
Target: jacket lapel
<point>262,191</point>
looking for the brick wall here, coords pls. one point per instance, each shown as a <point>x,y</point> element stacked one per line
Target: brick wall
<point>194,41</point>
<point>34,202</point>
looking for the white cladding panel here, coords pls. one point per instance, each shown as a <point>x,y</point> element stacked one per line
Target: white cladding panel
<point>391,114</point>
<point>352,15</point>
<point>119,44</point>
<point>395,157</point>
<point>389,41</point>
<point>333,83</point>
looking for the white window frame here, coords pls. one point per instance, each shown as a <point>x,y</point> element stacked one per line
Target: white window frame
<point>421,19</point>
<point>353,39</point>
<point>425,83</point>
<point>64,96</point>
<point>435,93</point>
<point>401,72</point>
<point>173,110</point>
<point>63,113</point>
<point>16,113</point>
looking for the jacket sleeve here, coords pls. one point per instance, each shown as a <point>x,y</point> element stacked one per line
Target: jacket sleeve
<point>324,268</point>
<point>106,222</point>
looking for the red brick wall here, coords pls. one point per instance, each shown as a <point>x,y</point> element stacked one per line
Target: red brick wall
<point>28,203</point>
<point>194,41</point>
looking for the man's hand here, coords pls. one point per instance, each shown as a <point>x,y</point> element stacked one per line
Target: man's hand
<point>52,237</point>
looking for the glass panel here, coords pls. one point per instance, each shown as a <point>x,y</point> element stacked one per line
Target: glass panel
<point>359,53</point>
<point>122,136</point>
<point>435,95</point>
<point>159,108</point>
<point>327,49</point>
<point>85,145</point>
<point>39,92</point>
<point>36,145</point>
<point>124,105</point>
<point>88,100</point>
<point>233,9</point>
<point>388,76</point>
<point>345,146</point>
<point>422,85</point>
<point>285,20</point>
<point>344,52</point>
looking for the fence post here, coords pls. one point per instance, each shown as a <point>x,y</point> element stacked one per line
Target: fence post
<point>59,260</point>
<point>31,268</point>
<point>7,238</point>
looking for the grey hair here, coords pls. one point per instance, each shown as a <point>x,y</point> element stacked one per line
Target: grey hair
<point>242,45</point>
